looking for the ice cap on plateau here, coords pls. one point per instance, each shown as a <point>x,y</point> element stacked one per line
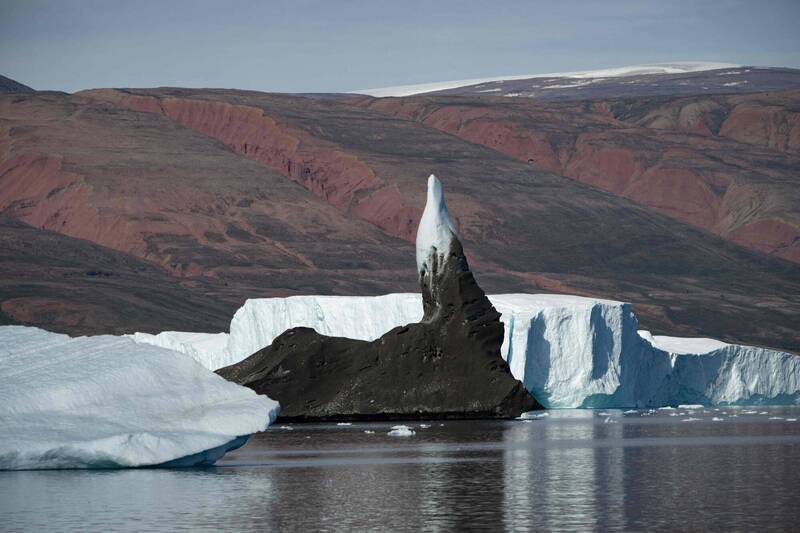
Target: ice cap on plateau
<point>435,231</point>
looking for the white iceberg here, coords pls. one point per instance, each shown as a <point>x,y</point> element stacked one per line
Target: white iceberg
<point>401,431</point>
<point>569,351</point>
<point>107,402</point>
<point>208,349</point>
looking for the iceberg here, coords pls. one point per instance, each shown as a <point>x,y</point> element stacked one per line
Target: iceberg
<point>569,351</point>
<point>447,365</point>
<point>108,402</point>
<point>209,349</point>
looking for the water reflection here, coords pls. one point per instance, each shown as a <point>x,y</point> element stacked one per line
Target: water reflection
<point>573,470</point>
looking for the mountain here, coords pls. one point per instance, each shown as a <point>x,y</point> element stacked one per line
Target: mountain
<point>7,85</point>
<point>240,194</point>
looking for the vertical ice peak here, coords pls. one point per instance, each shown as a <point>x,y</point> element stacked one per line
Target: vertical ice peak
<point>435,231</point>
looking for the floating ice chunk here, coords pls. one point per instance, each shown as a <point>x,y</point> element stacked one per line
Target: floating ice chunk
<point>424,426</point>
<point>690,406</point>
<point>368,431</point>
<point>630,412</point>
<point>717,419</point>
<point>534,414</point>
<point>107,402</point>
<point>344,424</point>
<point>401,431</point>
<point>288,428</point>
<point>609,420</point>
<point>791,420</point>
<point>775,418</point>
<point>690,419</point>
<point>667,408</point>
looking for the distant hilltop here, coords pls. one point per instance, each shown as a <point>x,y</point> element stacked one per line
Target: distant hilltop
<point>7,85</point>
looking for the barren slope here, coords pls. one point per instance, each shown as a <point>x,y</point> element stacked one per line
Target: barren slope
<point>726,163</point>
<point>74,286</point>
<point>139,184</point>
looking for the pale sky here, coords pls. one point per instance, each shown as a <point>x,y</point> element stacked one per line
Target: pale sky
<point>334,46</point>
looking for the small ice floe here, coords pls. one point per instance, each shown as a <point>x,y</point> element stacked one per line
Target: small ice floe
<point>401,431</point>
<point>424,426</point>
<point>344,424</point>
<point>441,425</point>
<point>630,412</point>
<point>673,414</point>
<point>667,408</point>
<point>791,420</point>
<point>690,406</point>
<point>749,412</point>
<point>690,419</point>
<point>764,413</point>
<point>606,414</point>
<point>528,416</point>
<point>609,420</point>
<point>775,418</point>
<point>717,419</point>
<point>290,428</point>
<point>368,431</point>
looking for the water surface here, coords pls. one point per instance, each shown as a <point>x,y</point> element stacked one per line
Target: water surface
<point>572,470</point>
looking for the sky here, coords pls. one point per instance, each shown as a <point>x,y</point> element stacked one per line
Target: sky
<point>335,46</point>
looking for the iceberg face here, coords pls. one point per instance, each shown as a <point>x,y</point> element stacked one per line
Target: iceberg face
<point>257,323</point>
<point>569,351</point>
<point>107,402</point>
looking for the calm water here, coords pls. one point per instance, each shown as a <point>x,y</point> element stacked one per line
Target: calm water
<point>572,470</point>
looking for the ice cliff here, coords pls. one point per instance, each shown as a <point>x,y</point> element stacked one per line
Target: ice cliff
<point>569,351</point>
<point>106,402</point>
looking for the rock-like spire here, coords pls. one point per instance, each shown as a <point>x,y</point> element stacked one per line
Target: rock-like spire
<point>448,365</point>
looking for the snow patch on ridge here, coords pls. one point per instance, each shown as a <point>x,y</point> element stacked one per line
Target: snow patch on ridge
<point>107,402</point>
<point>633,70</point>
<point>435,231</point>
